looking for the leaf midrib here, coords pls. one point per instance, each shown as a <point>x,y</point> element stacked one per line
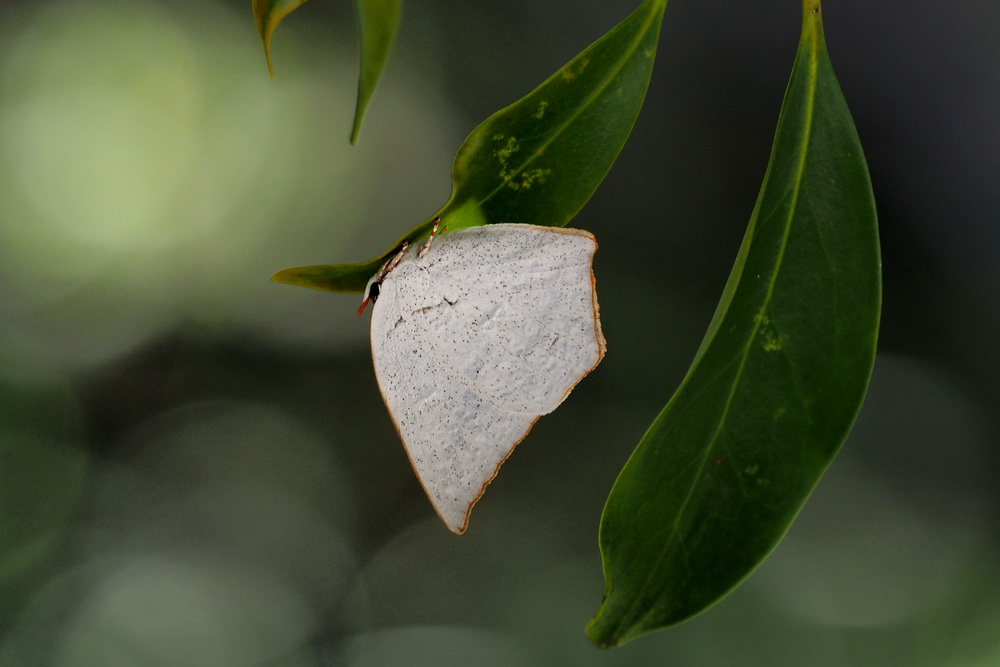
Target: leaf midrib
<point>744,356</point>
<point>658,8</point>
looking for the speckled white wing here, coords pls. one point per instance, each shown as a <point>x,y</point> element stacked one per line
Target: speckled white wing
<point>476,340</point>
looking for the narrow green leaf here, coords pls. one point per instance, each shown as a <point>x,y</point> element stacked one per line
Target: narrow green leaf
<point>377,22</point>
<point>345,278</point>
<point>268,14</point>
<point>540,159</point>
<point>773,391</point>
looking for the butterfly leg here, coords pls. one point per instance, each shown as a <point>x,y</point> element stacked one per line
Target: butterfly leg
<point>427,243</point>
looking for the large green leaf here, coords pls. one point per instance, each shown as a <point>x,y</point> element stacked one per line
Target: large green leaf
<point>268,14</point>
<point>540,159</point>
<point>776,385</point>
<point>377,21</point>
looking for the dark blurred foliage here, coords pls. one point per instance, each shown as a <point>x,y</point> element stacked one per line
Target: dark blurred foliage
<point>196,465</point>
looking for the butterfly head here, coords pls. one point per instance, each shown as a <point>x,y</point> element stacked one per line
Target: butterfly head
<point>371,291</point>
<point>374,285</point>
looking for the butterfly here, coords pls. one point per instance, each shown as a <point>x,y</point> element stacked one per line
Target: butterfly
<point>475,334</point>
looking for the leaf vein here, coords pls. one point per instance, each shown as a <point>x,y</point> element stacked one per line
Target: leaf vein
<point>748,346</point>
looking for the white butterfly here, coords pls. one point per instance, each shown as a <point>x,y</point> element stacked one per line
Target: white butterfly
<point>473,339</point>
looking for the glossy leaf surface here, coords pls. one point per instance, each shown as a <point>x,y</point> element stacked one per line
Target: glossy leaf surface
<point>776,385</point>
<point>540,159</point>
<point>377,22</point>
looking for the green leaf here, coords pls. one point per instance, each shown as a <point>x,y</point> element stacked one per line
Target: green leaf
<point>268,14</point>
<point>540,159</point>
<point>377,22</point>
<point>345,278</point>
<point>775,387</point>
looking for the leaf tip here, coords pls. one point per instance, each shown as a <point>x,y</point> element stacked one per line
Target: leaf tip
<point>267,57</point>
<point>267,15</point>
<point>603,631</point>
<point>286,276</point>
<point>595,638</point>
<point>356,128</point>
<point>377,25</point>
<point>303,276</point>
<point>338,278</point>
<point>600,635</point>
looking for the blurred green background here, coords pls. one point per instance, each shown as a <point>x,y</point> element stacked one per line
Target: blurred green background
<point>196,467</point>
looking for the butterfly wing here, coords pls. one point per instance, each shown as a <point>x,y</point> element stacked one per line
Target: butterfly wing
<point>476,340</point>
